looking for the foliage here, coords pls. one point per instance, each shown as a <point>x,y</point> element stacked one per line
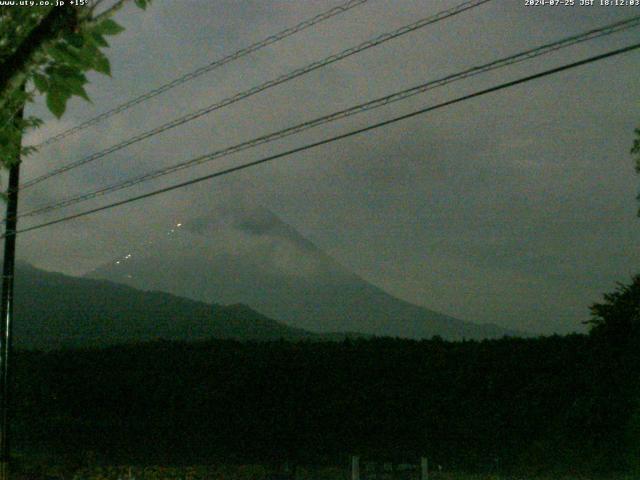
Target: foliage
<point>619,315</point>
<point>547,405</point>
<point>633,439</point>
<point>48,50</point>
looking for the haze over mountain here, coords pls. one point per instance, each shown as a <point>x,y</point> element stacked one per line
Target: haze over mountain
<point>248,255</point>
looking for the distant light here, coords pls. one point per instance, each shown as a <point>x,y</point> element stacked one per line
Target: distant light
<point>178,225</point>
<point>128,256</point>
<point>129,276</point>
<point>117,262</point>
<point>172,230</point>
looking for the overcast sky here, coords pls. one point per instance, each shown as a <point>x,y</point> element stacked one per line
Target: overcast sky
<point>517,208</point>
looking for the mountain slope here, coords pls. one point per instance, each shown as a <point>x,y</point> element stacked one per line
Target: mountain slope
<point>249,255</point>
<point>55,310</point>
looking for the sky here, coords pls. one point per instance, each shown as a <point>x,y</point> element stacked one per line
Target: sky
<point>517,208</point>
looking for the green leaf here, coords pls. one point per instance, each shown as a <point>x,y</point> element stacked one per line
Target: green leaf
<point>41,82</point>
<point>75,39</point>
<point>79,90</point>
<point>141,4</point>
<point>88,55</point>
<point>102,65</point>
<point>63,73</point>
<point>57,102</point>
<point>99,39</point>
<point>25,151</point>
<point>109,27</point>
<point>33,122</point>
<point>65,54</point>
<point>69,84</point>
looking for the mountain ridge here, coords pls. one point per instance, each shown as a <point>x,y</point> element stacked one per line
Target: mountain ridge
<point>54,311</point>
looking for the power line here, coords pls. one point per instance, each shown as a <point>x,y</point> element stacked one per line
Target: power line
<point>206,69</point>
<point>335,138</point>
<point>260,88</point>
<point>370,105</point>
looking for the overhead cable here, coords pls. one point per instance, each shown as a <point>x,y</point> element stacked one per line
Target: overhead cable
<point>333,139</point>
<point>257,89</point>
<point>206,69</point>
<point>357,109</point>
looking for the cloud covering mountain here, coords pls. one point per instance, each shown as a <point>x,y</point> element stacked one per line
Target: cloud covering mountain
<point>246,254</point>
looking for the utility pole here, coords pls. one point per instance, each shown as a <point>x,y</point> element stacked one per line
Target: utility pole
<point>6,311</point>
<point>56,20</point>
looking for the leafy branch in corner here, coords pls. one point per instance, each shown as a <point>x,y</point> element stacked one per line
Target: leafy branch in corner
<point>48,51</point>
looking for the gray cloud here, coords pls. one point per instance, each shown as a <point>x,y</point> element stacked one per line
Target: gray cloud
<point>516,208</point>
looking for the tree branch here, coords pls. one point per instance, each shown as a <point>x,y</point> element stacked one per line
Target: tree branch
<point>110,11</point>
<point>58,20</point>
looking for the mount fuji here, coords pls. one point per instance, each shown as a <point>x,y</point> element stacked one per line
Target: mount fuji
<point>248,255</point>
